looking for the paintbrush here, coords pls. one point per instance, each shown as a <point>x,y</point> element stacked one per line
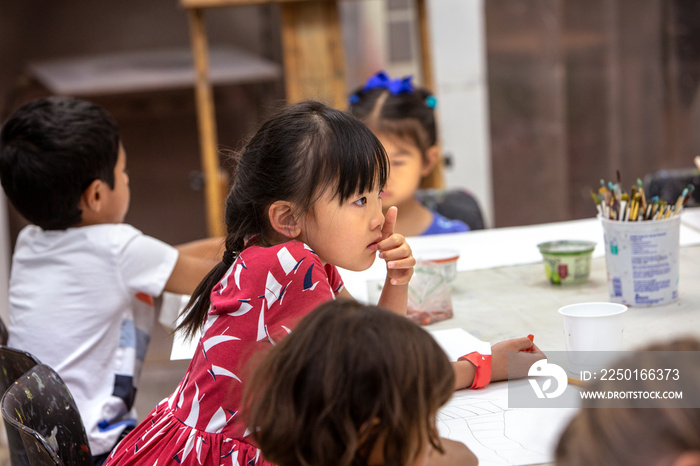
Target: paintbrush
<point>641,191</point>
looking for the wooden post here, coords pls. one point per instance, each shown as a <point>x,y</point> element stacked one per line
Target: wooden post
<point>314,59</point>
<point>436,178</point>
<point>424,42</point>
<point>206,120</point>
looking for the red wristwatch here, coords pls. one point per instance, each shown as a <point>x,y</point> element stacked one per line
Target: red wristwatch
<point>482,377</point>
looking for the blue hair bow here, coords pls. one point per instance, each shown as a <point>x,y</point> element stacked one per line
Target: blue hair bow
<point>396,86</point>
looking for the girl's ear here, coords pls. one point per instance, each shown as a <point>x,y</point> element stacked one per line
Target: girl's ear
<point>432,155</point>
<point>283,220</point>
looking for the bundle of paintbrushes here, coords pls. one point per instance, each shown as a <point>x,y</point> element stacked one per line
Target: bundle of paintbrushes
<point>614,204</point>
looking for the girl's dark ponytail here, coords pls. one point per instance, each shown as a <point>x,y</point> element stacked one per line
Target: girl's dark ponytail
<point>195,313</point>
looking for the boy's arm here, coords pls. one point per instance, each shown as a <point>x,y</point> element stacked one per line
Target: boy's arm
<point>208,248</point>
<point>194,262</point>
<point>399,266</point>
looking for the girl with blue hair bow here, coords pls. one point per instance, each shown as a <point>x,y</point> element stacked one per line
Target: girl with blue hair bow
<point>403,118</point>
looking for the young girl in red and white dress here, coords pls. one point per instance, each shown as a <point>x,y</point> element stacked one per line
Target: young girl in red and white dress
<point>305,199</point>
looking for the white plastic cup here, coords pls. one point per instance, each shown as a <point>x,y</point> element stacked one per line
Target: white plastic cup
<point>642,261</point>
<point>593,326</point>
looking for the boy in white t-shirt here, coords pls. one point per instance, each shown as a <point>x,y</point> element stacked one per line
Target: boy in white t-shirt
<point>82,282</point>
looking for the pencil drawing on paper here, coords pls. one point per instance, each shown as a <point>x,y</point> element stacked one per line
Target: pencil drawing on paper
<point>499,435</point>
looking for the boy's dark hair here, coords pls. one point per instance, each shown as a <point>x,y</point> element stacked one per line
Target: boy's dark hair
<point>51,149</point>
<point>406,115</point>
<point>347,376</point>
<point>296,155</point>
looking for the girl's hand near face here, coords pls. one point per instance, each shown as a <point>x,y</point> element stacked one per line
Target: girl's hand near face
<point>394,249</point>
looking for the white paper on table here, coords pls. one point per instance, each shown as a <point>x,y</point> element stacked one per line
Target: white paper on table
<point>182,348</point>
<point>691,218</point>
<point>482,420</point>
<point>499,435</point>
<point>171,305</point>
<point>457,342</point>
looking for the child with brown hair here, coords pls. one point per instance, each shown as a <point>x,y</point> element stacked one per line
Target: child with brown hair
<point>640,431</point>
<point>352,385</point>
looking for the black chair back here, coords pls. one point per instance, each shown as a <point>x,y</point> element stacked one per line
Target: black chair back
<point>42,409</point>
<point>13,364</point>
<point>455,204</point>
<point>669,185</point>
<point>4,336</point>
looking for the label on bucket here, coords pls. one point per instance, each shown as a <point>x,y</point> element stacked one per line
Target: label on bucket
<point>642,261</point>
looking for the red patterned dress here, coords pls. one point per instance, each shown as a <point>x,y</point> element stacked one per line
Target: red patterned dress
<point>259,300</point>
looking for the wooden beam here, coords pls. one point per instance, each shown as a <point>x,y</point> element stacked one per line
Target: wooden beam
<point>426,58</point>
<point>223,3</point>
<point>314,60</point>
<point>206,120</point>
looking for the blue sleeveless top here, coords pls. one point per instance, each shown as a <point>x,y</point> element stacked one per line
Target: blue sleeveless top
<point>442,224</point>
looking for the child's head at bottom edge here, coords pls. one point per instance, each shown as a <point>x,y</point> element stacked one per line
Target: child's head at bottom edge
<point>55,151</point>
<point>636,429</point>
<point>352,384</point>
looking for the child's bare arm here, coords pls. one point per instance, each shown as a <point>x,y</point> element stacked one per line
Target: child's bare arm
<point>207,248</point>
<point>526,354</point>
<point>399,265</point>
<point>195,260</point>
<point>465,372</point>
<point>344,294</point>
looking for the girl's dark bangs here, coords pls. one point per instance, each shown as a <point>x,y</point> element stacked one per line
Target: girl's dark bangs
<point>358,162</point>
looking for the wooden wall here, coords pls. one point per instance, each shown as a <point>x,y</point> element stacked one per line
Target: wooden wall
<point>579,89</point>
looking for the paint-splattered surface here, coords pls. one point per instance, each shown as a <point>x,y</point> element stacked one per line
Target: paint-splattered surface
<point>41,407</point>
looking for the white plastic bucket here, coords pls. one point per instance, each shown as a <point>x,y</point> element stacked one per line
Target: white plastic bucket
<point>642,261</point>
